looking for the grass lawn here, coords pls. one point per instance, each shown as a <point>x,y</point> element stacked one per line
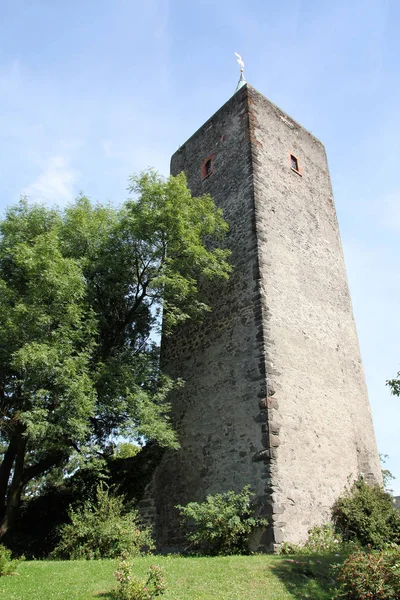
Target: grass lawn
<point>225,578</point>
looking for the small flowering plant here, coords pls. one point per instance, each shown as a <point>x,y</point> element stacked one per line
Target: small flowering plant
<point>321,539</point>
<point>133,588</point>
<point>370,575</point>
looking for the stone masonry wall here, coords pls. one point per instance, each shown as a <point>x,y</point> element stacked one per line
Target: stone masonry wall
<point>274,394</point>
<point>221,359</point>
<point>313,363</point>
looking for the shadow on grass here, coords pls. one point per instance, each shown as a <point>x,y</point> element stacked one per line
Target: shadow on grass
<point>307,576</point>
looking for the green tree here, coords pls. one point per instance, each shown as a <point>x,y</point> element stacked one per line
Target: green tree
<point>82,291</point>
<point>394,385</point>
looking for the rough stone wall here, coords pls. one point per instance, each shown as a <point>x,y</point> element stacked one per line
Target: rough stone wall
<point>275,394</point>
<point>221,359</point>
<point>313,363</point>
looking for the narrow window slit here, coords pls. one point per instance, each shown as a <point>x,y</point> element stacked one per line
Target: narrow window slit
<point>207,168</point>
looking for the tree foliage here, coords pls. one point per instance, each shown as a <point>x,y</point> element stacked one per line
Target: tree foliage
<point>366,514</point>
<point>394,385</point>
<point>82,291</point>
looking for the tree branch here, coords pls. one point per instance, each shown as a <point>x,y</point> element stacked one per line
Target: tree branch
<point>50,460</point>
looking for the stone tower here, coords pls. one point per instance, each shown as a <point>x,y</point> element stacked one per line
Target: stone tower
<point>275,394</point>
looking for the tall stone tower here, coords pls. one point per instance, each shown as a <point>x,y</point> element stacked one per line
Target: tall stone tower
<point>275,394</point>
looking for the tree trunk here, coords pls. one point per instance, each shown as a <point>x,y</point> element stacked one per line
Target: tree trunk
<point>15,491</point>
<point>21,477</point>
<point>5,471</point>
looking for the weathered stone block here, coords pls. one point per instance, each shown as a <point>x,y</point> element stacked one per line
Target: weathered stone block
<point>274,440</point>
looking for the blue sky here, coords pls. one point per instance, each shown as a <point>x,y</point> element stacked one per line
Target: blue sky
<point>94,90</point>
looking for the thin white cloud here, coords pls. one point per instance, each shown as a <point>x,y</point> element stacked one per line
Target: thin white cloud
<point>56,183</point>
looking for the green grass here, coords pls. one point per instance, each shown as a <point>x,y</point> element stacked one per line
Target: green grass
<point>225,578</point>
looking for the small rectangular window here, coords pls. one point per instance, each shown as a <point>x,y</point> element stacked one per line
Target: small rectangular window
<point>207,168</point>
<point>294,163</point>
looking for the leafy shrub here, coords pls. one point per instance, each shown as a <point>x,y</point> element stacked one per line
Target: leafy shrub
<point>371,575</point>
<point>322,539</point>
<point>222,523</point>
<point>366,514</point>
<point>7,565</point>
<point>102,529</point>
<point>132,588</point>
<point>37,530</point>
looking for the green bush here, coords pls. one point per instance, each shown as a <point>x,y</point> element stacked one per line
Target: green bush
<point>322,539</point>
<point>222,523</point>
<point>371,575</point>
<point>105,528</point>
<point>132,588</point>
<point>366,515</point>
<point>36,533</point>
<point>7,565</point>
